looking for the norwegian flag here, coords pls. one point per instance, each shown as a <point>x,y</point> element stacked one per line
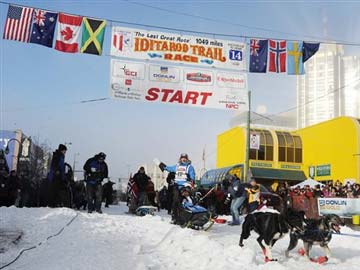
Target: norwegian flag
<point>277,56</point>
<point>18,23</point>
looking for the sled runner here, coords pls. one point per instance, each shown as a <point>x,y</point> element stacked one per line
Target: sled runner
<point>195,217</point>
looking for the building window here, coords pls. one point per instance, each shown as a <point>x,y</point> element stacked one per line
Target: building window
<point>266,151</point>
<point>290,147</point>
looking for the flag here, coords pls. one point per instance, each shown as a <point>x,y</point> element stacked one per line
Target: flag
<point>277,56</point>
<point>132,189</point>
<point>258,55</point>
<point>68,32</point>
<point>18,23</point>
<point>295,65</point>
<point>43,27</point>
<point>92,36</point>
<point>308,50</point>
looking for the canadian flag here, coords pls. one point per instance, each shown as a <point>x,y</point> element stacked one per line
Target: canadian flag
<point>68,33</point>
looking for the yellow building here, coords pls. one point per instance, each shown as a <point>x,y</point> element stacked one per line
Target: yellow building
<point>327,151</point>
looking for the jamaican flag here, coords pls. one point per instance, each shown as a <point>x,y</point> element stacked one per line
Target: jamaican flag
<point>92,36</point>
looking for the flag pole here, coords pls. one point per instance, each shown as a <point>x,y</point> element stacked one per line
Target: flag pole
<point>247,157</point>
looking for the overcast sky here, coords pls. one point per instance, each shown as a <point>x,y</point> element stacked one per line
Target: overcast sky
<point>41,87</point>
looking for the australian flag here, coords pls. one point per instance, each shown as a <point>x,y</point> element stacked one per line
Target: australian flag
<point>43,27</point>
<point>258,55</point>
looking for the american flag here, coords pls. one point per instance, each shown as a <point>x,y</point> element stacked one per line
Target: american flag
<point>132,188</point>
<point>18,23</point>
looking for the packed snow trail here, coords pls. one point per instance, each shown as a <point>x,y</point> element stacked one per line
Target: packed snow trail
<point>118,241</point>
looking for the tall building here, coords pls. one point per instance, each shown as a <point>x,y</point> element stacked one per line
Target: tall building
<point>351,95</point>
<point>316,99</point>
<point>330,88</point>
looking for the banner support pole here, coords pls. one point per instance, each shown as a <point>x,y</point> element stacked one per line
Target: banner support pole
<point>247,157</point>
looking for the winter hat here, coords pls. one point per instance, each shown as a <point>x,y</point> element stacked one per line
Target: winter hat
<point>62,147</point>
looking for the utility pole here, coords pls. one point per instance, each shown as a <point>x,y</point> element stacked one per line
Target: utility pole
<point>247,163</point>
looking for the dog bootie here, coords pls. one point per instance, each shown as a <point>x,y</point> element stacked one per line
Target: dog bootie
<point>322,259</point>
<point>301,252</point>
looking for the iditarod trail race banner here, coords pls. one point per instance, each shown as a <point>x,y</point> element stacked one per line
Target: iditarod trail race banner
<point>161,83</point>
<point>177,49</point>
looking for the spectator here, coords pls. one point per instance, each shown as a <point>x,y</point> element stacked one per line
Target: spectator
<point>317,193</point>
<point>108,193</point>
<point>95,171</point>
<point>141,180</point>
<point>356,192</point>
<point>58,190</point>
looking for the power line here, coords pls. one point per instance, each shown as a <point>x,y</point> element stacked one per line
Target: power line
<point>51,106</point>
<point>229,23</point>
<point>318,40</point>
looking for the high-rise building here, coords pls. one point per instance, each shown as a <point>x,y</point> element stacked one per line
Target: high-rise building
<point>330,88</point>
<point>316,99</point>
<point>350,96</point>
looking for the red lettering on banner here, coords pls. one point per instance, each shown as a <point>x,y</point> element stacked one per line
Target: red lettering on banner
<point>232,106</point>
<point>180,57</point>
<point>205,96</point>
<point>152,94</point>
<point>177,97</point>
<point>172,96</point>
<point>166,94</point>
<point>191,96</point>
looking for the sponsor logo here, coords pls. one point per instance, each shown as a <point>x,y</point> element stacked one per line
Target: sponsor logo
<point>164,70</point>
<point>231,106</point>
<point>115,86</point>
<point>122,40</point>
<point>332,202</point>
<point>231,80</point>
<point>128,82</point>
<point>164,74</point>
<point>129,72</point>
<point>198,77</point>
<point>163,77</point>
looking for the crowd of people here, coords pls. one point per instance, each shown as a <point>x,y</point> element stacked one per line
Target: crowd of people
<point>229,197</point>
<point>327,190</point>
<point>58,189</point>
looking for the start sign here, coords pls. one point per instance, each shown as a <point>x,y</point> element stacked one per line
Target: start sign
<point>178,85</point>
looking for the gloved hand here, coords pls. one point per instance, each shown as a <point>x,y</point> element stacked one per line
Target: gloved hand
<point>228,199</point>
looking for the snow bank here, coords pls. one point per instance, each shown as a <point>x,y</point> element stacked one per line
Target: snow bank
<point>116,240</point>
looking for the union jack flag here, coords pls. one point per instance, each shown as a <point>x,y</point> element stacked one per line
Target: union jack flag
<point>254,47</point>
<point>277,56</point>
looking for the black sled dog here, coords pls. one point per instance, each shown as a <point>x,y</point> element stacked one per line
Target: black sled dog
<point>271,226</point>
<point>317,232</point>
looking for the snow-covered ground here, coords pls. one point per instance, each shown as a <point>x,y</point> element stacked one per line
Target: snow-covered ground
<point>118,241</point>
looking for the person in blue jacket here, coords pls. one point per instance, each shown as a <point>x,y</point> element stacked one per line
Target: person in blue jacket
<point>58,186</point>
<point>184,176</point>
<point>95,171</point>
<point>238,194</point>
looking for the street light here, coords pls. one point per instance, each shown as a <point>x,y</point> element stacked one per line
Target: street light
<point>7,150</point>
